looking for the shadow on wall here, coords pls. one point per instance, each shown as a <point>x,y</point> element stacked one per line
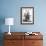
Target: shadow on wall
<point>2,21</point>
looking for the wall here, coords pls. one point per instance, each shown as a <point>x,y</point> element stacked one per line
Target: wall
<point>11,8</point>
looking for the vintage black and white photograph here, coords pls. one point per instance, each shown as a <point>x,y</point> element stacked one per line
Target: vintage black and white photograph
<point>27,15</point>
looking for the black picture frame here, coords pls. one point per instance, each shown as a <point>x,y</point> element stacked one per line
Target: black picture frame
<point>27,15</point>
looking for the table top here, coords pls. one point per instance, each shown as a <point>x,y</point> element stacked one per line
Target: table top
<point>22,35</point>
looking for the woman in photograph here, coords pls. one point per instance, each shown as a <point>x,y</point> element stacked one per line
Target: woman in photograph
<point>27,16</point>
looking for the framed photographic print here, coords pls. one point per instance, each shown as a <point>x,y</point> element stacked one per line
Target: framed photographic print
<point>27,15</point>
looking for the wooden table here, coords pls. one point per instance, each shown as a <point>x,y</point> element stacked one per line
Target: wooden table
<point>20,39</point>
